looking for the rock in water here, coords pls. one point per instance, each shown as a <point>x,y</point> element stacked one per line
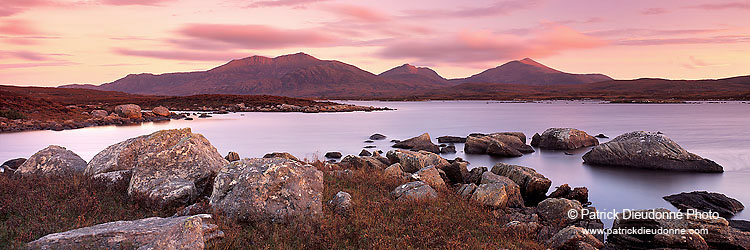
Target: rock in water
<point>281,155</point>
<point>563,139</point>
<point>507,144</point>
<point>720,235</point>
<point>705,201</point>
<point>52,161</point>
<point>341,203</point>
<point>364,152</point>
<point>334,155</point>
<point>187,232</point>
<point>450,149</point>
<point>416,190</point>
<point>451,139</point>
<point>169,167</point>
<point>232,156</point>
<point>534,186</point>
<point>131,111</point>
<point>275,189</point>
<point>377,137</point>
<point>648,150</point>
<point>422,142</point>
<point>160,111</point>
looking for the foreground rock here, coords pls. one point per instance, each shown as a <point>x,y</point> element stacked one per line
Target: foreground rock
<point>457,172</point>
<point>719,234</point>
<point>555,210</point>
<point>422,142</point>
<point>169,167</point>
<point>274,189</point>
<point>430,176</point>
<point>52,161</point>
<point>573,237</point>
<point>648,150</point>
<point>357,162</point>
<point>506,144</point>
<point>563,139</point>
<point>341,203</point>
<point>187,232</point>
<point>496,192</point>
<point>131,111</point>
<point>160,111</point>
<point>533,185</point>
<point>416,190</point>
<point>414,161</point>
<point>232,156</point>
<point>705,201</point>
<point>581,194</point>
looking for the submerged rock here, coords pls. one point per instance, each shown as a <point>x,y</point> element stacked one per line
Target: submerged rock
<point>422,142</point>
<point>334,155</point>
<point>415,190</point>
<point>705,201</point>
<point>648,150</point>
<point>274,189</point>
<point>187,232</point>
<point>52,161</point>
<point>377,137</point>
<point>563,139</point>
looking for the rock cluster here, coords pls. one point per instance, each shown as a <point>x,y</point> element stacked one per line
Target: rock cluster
<point>563,139</point>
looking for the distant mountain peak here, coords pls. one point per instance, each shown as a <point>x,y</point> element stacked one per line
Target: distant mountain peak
<point>530,72</point>
<point>297,56</point>
<point>411,73</point>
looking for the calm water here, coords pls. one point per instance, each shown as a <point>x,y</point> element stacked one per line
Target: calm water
<point>720,132</point>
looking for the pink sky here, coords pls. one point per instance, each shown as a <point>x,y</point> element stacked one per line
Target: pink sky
<point>55,42</point>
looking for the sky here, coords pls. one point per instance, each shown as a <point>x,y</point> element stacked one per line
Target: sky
<point>56,42</point>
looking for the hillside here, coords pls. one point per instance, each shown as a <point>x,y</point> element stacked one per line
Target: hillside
<point>410,73</point>
<point>530,72</point>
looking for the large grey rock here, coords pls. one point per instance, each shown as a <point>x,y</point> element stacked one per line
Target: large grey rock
<point>572,237</point>
<point>508,144</point>
<point>497,192</point>
<point>341,203</point>
<point>52,161</point>
<point>422,142</point>
<point>563,139</point>
<point>394,172</point>
<point>719,234</point>
<point>430,176</point>
<point>534,186</point>
<point>705,201</point>
<point>475,175</point>
<point>466,190</point>
<point>131,111</point>
<point>415,190</point>
<point>275,189</point>
<point>169,167</point>
<point>187,232</point>
<point>648,150</point>
<point>413,161</point>
<point>457,171</point>
<point>556,210</point>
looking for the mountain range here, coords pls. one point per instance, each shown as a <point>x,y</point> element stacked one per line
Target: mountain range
<point>302,75</point>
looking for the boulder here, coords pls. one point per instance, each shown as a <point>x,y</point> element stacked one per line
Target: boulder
<point>341,203</point>
<point>232,156</point>
<point>12,164</point>
<point>581,194</point>
<point>457,171</point>
<point>160,111</point>
<point>394,171</point>
<point>377,137</point>
<point>276,189</point>
<point>413,161</point>
<point>114,176</point>
<point>451,139</point>
<point>648,150</point>
<point>601,136</point>
<point>466,190</point>
<point>555,210</point>
<point>415,190</point>
<point>741,225</point>
<point>534,186</point>
<point>719,234</point>
<point>131,111</point>
<point>356,162</point>
<point>281,155</point>
<point>186,232</point>
<point>571,237</point>
<point>52,161</point>
<point>475,175</point>
<point>497,192</point>
<point>507,144</point>
<point>450,149</point>
<point>422,142</point>
<point>99,113</point>
<point>334,155</point>
<point>563,139</point>
<point>169,167</point>
<point>705,201</point>
<point>364,152</point>
<point>430,176</point>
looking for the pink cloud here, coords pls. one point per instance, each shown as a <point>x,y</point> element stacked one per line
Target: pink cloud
<point>35,65</point>
<point>498,8</point>
<point>279,3</point>
<point>185,55</point>
<point>358,13</point>
<point>18,27</point>
<point>722,6</point>
<point>692,40</point>
<point>654,11</point>
<point>256,36</point>
<point>135,2</point>
<point>12,7</point>
<point>29,55</point>
<point>484,46</point>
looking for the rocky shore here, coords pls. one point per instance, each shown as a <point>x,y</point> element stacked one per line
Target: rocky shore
<point>178,169</point>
